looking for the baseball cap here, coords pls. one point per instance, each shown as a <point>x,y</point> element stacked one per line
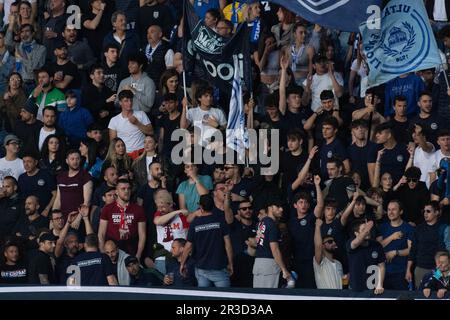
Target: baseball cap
<point>47,237</point>
<point>9,138</point>
<point>130,259</point>
<point>31,106</point>
<point>60,44</point>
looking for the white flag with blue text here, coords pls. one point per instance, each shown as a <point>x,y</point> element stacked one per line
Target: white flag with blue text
<point>405,43</point>
<point>237,137</point>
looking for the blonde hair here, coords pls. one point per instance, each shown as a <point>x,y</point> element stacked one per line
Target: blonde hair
<point>112,155</point>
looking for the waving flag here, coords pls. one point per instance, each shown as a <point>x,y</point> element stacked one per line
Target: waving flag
<point>344,15</point>
<point>237,137</point>
<point>405,42</point>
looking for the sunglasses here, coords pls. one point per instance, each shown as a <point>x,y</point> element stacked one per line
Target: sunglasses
<point>330,241</point>
<point>245,208</point>
<point>415,180</point>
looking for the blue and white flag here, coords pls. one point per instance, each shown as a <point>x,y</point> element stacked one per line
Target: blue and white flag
<point>405,43</point>
<point>237,137</point>
<point>344,15</point>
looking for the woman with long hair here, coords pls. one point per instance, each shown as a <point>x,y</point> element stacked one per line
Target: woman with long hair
<point>359,68</point>
<point>301,54</point>
<point>117,158</point>
<point>12,100</point>
<point>284,30</point>
<point>169,83</point>
<point>52,155</point>
<point>92,163</point>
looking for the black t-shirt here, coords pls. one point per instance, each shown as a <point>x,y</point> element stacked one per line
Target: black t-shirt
<point>266,233</point>
<point>358,157</point>
<point>239,233</point>
<point>297,120</point>
<point>328,151</point>
<point>207,236</point>
<point>393,160</point>
<point>302,233</point>
<point>158,14</point>
<point>40,185</point>
<point>360,259</point>
<point>290,167</point>
<point>434,190</point>
<point>61,268</point>
<point>69,69</point>
<point>113,75</point>
<point>44,264</point>
<point>95,37</point>
<point>400,130</point>
<point>338,191</point>
<point>178,280</point>
<point>431,126</point>
<point>27,228</point>
<point>95,268</point>
<point>169,127</point>
<point>16,274</point>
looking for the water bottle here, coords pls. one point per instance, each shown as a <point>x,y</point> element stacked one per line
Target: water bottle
<point>291,281</point>
<point>18,64</point>
<point>410,285</point>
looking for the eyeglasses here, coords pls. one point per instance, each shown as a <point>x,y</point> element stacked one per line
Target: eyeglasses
<point>412,180</point>
<point>330,241</point>
<point>245,208</point>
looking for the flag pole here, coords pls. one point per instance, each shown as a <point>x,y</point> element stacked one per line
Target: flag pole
<point>184,49</point>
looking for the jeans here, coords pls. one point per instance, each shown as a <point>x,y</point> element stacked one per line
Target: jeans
<point>207,278</point>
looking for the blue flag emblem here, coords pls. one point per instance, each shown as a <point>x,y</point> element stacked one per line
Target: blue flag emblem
<point>404,44</point>
<point>322,6</point>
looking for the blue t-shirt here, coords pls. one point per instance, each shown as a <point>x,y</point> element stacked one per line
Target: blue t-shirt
<point>266,233</point>
<point>393,160</point>
<point>201,6</point>
<point>328,151</point>
<point>360,259</point>
<point>207,236</point>
<point>95,268</point>
<point>398,264</point>
<point>358,157</point>
<point>180,281</point>
<point>190,193</point>
<point>410,87</point>
<point>302,233</point>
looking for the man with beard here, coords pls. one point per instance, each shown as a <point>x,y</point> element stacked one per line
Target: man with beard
<point>12,270</point>
<point>145,198</point>
<point>79,51</point>
<point>42,267</point>
<point>118,257</point>
<point>123,222</point>
<point>74,185</point>
<point>32,221</point>
<point>328,271</point>
<point>32,55</point>
<point>65,72</point>
<point>45,94</point>
<point>35,181</point>
<point>242,227</point>
<point>98,98</point>
<point>10,206</point>
<point>49,126</point>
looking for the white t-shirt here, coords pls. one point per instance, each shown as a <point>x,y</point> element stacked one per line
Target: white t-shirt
<point>177,228</point>
<point>425,162</point>
<point>363,74</point>
<point>7,8</point>
<point>439,12</point>
<point>320,83</point>
<point>328,274</point>
<point>11,168</point>
<point>198,117</point>
<point>43,135</point>
<point>128,132</point>
<point>438,156</point>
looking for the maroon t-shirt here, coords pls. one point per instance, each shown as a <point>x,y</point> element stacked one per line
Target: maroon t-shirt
<point>71,189</point>
<point>134,214</point>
